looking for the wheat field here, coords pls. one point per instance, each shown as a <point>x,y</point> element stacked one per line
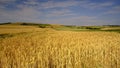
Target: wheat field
<point>48,48</point>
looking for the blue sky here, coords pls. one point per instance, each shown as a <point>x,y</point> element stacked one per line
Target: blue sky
<point>70,12</point>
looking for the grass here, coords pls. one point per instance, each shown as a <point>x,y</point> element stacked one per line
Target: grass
<point>90,28</point>
<point>34,47</point>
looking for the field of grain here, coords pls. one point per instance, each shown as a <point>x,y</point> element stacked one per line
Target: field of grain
<point>10,29</point>
<point>48,48</point>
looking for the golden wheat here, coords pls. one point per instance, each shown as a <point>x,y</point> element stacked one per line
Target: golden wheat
<point>48,48</point>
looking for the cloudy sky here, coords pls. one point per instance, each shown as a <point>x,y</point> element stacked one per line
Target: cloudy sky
<point>71,12</point>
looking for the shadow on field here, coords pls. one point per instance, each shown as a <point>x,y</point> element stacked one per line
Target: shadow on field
<point>6,35</point>
<point>11,35</point>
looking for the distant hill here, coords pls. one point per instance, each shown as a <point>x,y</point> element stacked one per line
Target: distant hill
<point>41,25</point>
<point>115,28</point>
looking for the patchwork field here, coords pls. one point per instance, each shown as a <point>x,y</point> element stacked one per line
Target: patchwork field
<point>33,47</point>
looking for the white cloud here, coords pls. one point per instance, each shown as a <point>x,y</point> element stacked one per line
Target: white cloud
<point>31,2</point>
<point>116,7</point>
<point>47,7</point>
<point>78,20</point>
<point>6,1</point>
<point>36,11</point>
<point>24,14</point>
<point>2,7</point>
<point>63,4</point>
<point>113,10</point>
<point>91,5</point>
<point>69,3</point>
<point>49,4</point>
<point>59,13</point>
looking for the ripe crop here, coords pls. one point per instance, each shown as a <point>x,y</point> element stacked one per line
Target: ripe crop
<point>48,48</point>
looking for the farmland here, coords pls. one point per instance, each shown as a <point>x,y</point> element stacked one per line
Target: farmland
<point>28,46</point>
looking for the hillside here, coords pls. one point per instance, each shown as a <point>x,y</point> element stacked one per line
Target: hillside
<point>111,28</point>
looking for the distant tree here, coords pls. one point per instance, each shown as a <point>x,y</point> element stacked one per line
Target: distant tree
<point>8,23</point>
<point>44,25</point>
<point>92,28</point>
<point>24,24</point>
<point>5,23</point>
